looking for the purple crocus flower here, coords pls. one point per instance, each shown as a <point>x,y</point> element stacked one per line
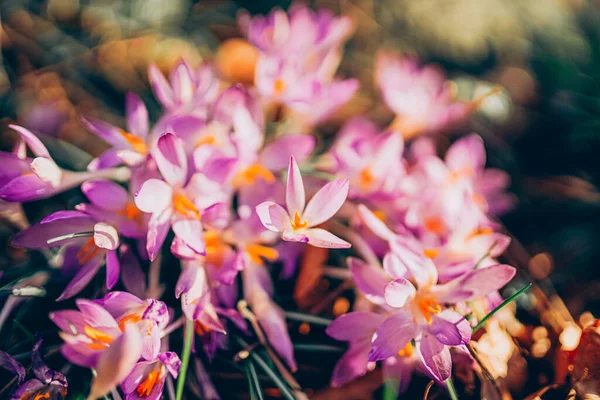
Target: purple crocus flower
<point>47,384</point>
<point>88,245</point>
<point>297,223</point>
<point>26,179</point>
<point>171,202</point>
<point>147,379</point>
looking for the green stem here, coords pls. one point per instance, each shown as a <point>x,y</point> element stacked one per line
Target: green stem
<point>451,389</point>
<point>185,357</point>
<point>255,388</point>
<point>500,307</point>
<point>313,319</point>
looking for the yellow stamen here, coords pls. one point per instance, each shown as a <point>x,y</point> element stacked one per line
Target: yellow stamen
<point>137,143</point>
<point>486,230</point>
<point>97,335</point>
<point>88,251</point>
<point>249,175</point>
<point>258,252</point>
<point>431,253</point>
<point>366,178</point>
<point>435,225</point>
<point>145,388</point>
<point>206,139</point>
<point>380,215</point>
<point>297,222</point>
<point>407,351</point>
<point>129,319</point>
<point>279,87</point>
<point>215,248</point>
<point>184,206</point>
<point>132,213</point>
<point>429,307</point>
<point>38,396</point>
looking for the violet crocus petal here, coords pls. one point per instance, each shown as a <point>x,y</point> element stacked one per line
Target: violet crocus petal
<point>116,362</point>
<point>272,321</point>
<point>326,202</point>
<point>435,356</point>
<point>171,159</point>
<point>393,266</point>
<point>321,238</point>
<point>397,372</point>
<point>81,279</point>
<point>352,364</point>
<point>475,284</point>
<point>182,83</point>
<point>106,236</point>
<point>466,154</point>
<point>158,312</point>
<point>25,188</point>
<point>276,155</point>
<point>191,280</point>
<point>217,216</point>
<point>161,87</point>
<point>9,363</point>
<point>113,269</point>
<point>354,326</point>
<point>390,150</point>
<point>37,236</point>
<point>119,303</point>
<point>109,133</point>
<point>376,225</point>
<point>33,142</point>
<point>158,227</point>
<point>135,377</point>
<point>369,279</point>
<point>392,335</point>
<point>450,328</point>
<point>274,217</point>
<point>150,338</point>
<point>137,115</point>
<point>64,214</point>
<point>40,369</point>
<point>294,194</point>
<point>66,318</point>
<point>108,159</point>
<point>96,314</point>
<point>29,390</point>
<point>154,196</point>
<point>190,231</point>
<point>171,361</point>
<point>131,157</point>
<point>105,194</point>
<point>132,276</point>
<point>399,292</point>
<point>291,236</point>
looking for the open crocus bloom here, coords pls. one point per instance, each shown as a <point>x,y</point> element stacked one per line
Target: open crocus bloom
<point>298,222</point>
<point>147,379</point>
<point>26,179</point>
<point>87,244</point>
<point>171,201</point>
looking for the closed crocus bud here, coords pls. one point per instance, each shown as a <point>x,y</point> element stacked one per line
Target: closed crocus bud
<point>116,362</point>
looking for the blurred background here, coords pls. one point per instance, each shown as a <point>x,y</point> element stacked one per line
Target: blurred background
<point>61,59</point>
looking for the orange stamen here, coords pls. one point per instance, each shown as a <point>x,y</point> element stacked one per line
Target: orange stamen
<point>407,351</point>
<point>279,87</point>
<point>38,396</point>
<point>137,143</point>
<point>184,206</point>
<point>486,230</point>
<point>366,178</point>
<point>297,222</point>
<point>435,225</point>
<point>145,388</point>
<point>249,175</point>
<point>429,307</point>
<point>201,329</point>
<point>431,253</point>
<point>480,201</point>
<point>258,252</point>
<point>380,215</point>
<point>206,139</point>
<point>215,247</point>
<point>87,252</point>
<point>132,213</point>
<point>129,319</point>
<point>97,335</point>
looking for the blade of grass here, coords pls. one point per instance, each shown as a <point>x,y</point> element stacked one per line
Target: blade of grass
<point>500,307</point>
<point>255,388</point>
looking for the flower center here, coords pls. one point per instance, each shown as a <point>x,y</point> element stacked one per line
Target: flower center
<point>137,143</point>
<point>431,253</point>
<point>435,225</point>
<point>461,173</point>
<point>429,307</point>
<point>479,232</point>
<point>258,252</point>
<point>129,319</point>
<point>480,201</point>
<point>88,251</point>
<point>279,87</point>
<point>215,247</point>
<point>366,178</point>
<point>132,213</point>
<point>145,388</point>
<point>184,206</point>
<point>206,139</point>
<point>407,351</point>
<point>101,340</point>
<point>249,175</point>
<point>297,222</point>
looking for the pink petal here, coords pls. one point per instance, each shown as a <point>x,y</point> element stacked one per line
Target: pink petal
<point>150,339</point>
<point>132,275</point>
<point>96,314</point>
<point>154,196</point>
<point>105,194</point>
<point>182,84</point>
<point>113,269</point>
<point>398,292</point>
<point>377,226</point>
<point>137,116</point>
<point>466,154</point>
<point>394,267</point>
<point>273,216</point>
<point>369,279</point>
<point>108,159</point>
<point>450,328</point>
<point>171,159</point>
<point>158,227</point>
<point>33,142</point>
<point>109,133</point>
<point>294,195</point>
<point>435,356</point>
<point>354,326</point>
<point>160,86</point>
<point>352,364</point>
<point>326,202</point>
<point>392,335</point>
<point>276,155</point>
<point>321,238</point>
<point>475,284</point>
<point>190,231</point>
<point>82,278</point>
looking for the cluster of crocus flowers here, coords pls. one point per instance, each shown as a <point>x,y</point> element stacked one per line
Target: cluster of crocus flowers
<point>234,197</point>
